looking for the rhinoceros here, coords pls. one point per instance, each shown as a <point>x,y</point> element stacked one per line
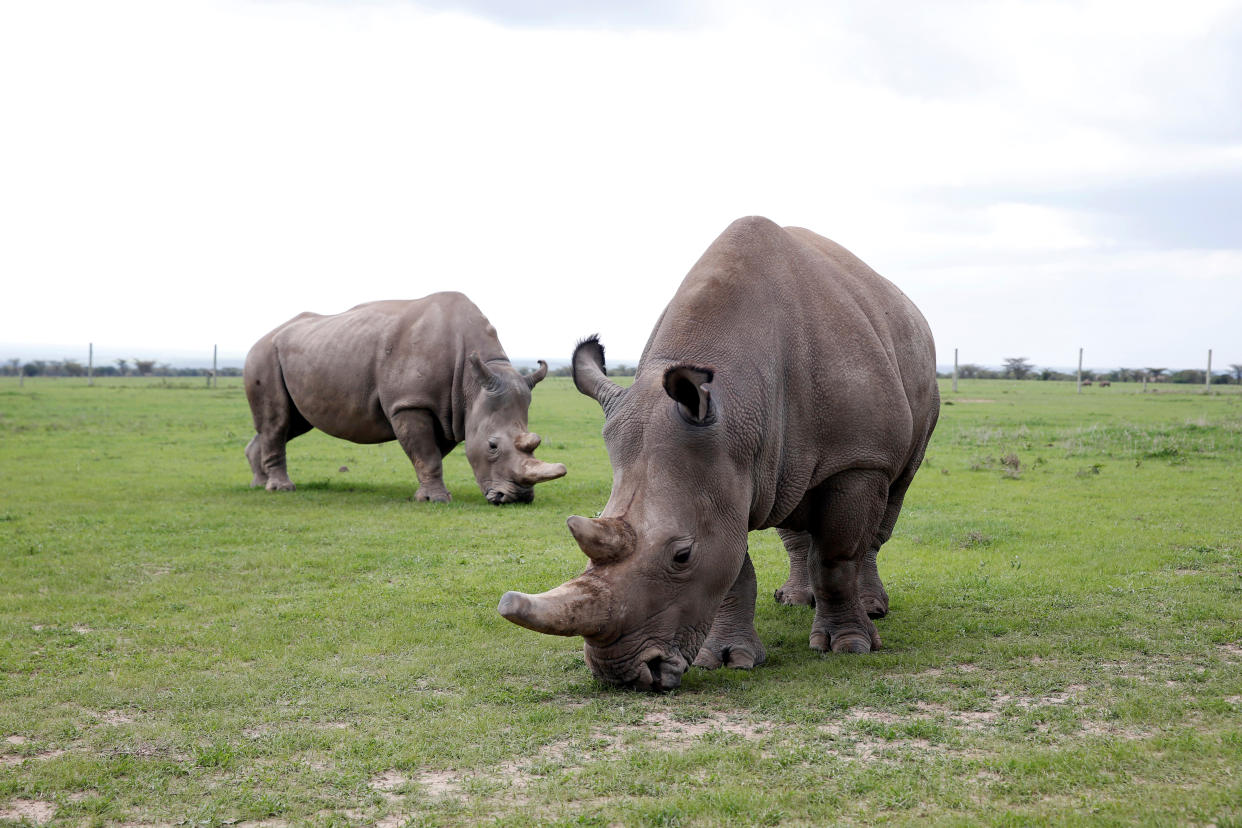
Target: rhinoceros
<point>785,385</point>
<point>429,373</point>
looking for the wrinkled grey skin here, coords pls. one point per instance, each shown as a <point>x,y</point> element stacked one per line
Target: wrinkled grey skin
<point>429,373</point>
<point>786,385</point>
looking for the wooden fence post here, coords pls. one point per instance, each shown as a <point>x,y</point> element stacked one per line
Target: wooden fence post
<point>90,364</point>
<point>1207,380</point>
<point>955,370</point>
<point>1080,370</point>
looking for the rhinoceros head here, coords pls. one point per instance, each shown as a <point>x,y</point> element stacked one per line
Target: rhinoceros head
<point>500,449</point>
<point>670,541</point>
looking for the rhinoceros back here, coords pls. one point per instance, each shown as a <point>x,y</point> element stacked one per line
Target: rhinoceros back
<point>348,372</point>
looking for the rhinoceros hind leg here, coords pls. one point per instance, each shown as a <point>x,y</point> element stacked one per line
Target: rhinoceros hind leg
<point>847,511</point>
<point>797,589</point>
<point>416,432</point>
<point>256,465</point>
<point>732,640</point>
<point>870,588</point>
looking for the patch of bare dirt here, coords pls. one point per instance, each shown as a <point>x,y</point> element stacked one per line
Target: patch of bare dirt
<point>440,783</point>
<point>1233,651</point>
<point>28,810</point>
<point>116,717</point>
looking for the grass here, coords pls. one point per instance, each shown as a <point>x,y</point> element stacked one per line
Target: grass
<point>1064,645</point>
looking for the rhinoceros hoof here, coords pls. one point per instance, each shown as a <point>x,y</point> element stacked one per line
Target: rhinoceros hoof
<point>794,595</point>
<point>432,497</point>
<point>845,641</point>
<point>742,655</point>
<point>876,606</point>
<point>280,485</point>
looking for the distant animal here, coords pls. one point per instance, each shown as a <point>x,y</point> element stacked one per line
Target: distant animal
<point>786,384</point>
<point>1105,384</point>
<point>429,373</point>
<point>1086,382</point>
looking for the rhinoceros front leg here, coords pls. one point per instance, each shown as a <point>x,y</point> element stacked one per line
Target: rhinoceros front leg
<point>797,589</point>
<point>847,514</point>
<point>416,432</point>
<point>732,639</point>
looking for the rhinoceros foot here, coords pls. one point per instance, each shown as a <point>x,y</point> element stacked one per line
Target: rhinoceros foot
<point>426,495</point>
<point>277,485</point>
<point>794,594</point>
<point>742,650</point>
<point>874,603</point>
<point>844,632</point>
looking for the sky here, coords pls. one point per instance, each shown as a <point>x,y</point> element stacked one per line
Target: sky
<point>1038,177</point>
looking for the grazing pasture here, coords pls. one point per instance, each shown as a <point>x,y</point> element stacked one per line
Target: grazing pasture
<point>1064,642</point>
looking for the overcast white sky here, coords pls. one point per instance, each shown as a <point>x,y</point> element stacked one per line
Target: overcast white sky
<point>1036,176</point>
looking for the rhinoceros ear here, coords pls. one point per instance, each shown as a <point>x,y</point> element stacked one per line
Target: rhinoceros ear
<point>687,385</point>
<point>486,377</point>
<point>533,378</point>
<point>589,375</point>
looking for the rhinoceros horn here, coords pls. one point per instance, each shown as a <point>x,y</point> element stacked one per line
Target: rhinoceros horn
<point>536,471</point>
<point>602,539</point>
<point>533,378</point>
<point>532,470</point>
<point>577,607</point>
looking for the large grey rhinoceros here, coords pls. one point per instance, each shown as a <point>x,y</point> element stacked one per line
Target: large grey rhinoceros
<point>429,373</point>
<point>786,384</point>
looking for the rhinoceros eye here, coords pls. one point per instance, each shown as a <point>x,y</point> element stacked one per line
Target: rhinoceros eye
<point>682,555</point>
<point>493,444</point>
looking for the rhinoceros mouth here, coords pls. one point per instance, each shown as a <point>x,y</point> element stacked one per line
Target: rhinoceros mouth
<point>511,493</point>
<point>657,669</point>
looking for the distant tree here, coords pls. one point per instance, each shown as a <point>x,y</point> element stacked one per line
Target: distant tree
<point>969,371</point>
<point>122,365</point>
<point>1189,375</point>
<point>144,366</point>
<point>1154,373</point>
<point>35,368</point>
<point>1236,367</point>
<point>73,368</point>
<point>13,367</point>
<point>1017,367</point>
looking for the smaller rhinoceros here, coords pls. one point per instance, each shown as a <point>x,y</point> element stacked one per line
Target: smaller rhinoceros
<point>429,373</point>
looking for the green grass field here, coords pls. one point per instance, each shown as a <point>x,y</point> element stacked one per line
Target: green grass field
<point>1064,644</point>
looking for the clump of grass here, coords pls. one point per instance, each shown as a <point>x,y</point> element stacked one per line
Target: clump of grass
<point>973,539</point>
<point>1094,468</point>
<point>1013,466</point>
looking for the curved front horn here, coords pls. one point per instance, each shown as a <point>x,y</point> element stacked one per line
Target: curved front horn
<point>577,607</point>
<point>536,471</point>
<point>487,378</point>
<point>590,376</point>
<point>533,378</point>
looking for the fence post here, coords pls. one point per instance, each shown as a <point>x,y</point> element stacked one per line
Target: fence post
<point>955,370</point>
<point>1080,370</point>
<point>1207,380</point>
<point>90,364</point>
<point>215,353</point>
